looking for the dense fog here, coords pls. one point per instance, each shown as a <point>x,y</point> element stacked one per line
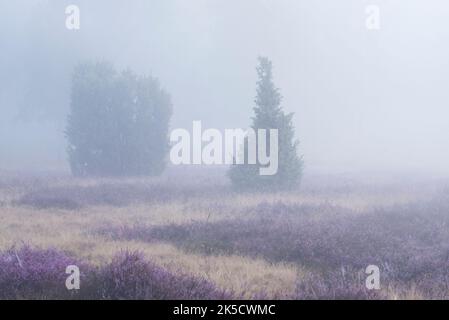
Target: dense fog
<point>364,100</point>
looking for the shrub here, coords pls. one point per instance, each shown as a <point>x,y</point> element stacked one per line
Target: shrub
<point>30,273</point>
<point>129,276</point>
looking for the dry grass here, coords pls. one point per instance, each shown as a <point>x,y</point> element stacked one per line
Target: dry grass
<point>71,230</point>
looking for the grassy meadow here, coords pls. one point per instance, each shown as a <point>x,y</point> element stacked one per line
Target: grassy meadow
<point>311,243</point>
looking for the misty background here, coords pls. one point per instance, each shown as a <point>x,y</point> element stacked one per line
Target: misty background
<point>363,100</point>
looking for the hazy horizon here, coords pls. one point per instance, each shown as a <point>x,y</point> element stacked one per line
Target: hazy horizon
<point>364,101</point>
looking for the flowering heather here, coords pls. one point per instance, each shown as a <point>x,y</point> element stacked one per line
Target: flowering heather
<point>409,243</point>
<point>111,194</point>
<point>312,244</point>
<point>40,274</point>
<point>129,276</point>
<point>30,273</point>
<point>339,285</point>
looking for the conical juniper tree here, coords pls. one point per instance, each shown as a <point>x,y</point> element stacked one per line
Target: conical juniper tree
<point>268,114</point>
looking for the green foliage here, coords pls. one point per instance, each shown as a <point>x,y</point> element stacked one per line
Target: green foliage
<point>118,122</point>
<point>268,114</point>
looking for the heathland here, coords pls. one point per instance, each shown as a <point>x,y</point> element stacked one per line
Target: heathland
<point>189,225</point>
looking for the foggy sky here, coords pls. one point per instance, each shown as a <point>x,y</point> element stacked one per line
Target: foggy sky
<point>363,100</point>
